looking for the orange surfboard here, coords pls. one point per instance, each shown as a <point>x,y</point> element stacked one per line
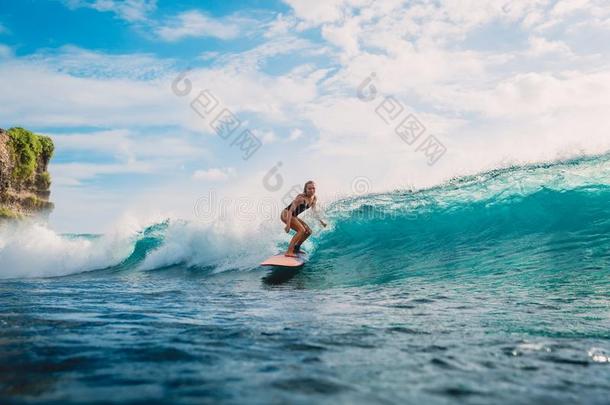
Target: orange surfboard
<point>284,261</point>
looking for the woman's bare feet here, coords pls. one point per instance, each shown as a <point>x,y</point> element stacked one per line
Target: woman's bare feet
<point>287,254</point>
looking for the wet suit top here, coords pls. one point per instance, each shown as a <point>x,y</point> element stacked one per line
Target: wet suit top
<point>300,208</point>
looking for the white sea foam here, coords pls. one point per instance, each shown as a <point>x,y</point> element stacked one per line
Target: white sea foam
<point>223,245</point>
<point>32,249</point>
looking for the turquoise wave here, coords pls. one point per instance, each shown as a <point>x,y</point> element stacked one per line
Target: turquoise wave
<point>531,221</point>
<point>538,221</point>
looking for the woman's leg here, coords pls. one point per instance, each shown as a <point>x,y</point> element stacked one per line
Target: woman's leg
<point>307,232</point>
<point>296,225</point>
<point>300,232</point>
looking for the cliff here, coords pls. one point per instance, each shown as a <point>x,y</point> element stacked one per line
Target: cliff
<point>24,179</point>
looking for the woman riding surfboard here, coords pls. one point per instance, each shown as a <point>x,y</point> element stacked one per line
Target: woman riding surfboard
<point>290,214</point>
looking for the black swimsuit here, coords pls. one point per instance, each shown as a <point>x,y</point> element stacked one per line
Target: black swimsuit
<point>300,208</point>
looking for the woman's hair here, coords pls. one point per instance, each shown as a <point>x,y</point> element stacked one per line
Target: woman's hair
<point>305,186</point>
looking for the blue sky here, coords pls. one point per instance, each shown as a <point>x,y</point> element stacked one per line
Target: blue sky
<point>494,82</point>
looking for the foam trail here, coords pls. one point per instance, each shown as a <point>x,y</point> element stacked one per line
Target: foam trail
<point>222,245</point>
<point>32,249</point>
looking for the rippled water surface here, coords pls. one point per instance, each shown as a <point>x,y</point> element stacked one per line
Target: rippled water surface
<point>176,336</point>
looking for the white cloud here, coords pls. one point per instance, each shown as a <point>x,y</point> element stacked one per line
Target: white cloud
<point>316,12</point>
<point>266,137</point>
<point>344,36</point>
<point>253,59</point>
<point>130,146</point>
<point>295,134</point>
<point>196,24</point>
<point>535,95</point>
<point>129,10</point>
<point>79,62</point>
<point>214,174</point>
<point>120,152</point>
<point>75,87</point>
<point>74,173</point>
<point>41,96</point>
<point>282,25</point>
<point>566,7</point>
<point>541,46</point>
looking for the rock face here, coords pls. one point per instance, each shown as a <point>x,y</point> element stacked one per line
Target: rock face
<point>24,179</point>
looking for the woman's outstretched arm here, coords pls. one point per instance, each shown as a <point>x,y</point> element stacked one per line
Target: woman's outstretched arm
<point>315,211</point>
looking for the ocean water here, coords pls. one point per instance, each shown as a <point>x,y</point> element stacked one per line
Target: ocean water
<point>493,288</point>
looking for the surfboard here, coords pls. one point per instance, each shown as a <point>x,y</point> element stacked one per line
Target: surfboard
<point>283,261</point>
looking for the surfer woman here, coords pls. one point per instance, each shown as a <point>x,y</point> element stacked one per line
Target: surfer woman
<point>289,216</point>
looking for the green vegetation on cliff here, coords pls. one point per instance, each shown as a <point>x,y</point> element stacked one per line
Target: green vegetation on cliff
<point>30,151</point>
<point>24,179</point>
<point>43,181</point>
<point>7,213</point>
